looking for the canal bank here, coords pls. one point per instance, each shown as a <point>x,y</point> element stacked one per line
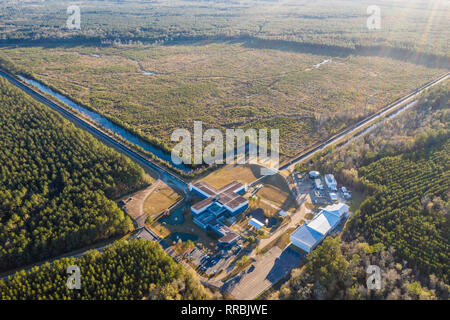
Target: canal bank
<point>90,126</point>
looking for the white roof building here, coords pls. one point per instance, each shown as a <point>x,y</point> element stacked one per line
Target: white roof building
<point>305,238</point>
<point>331,182</point>
<point>324,222</point>
<point>282,213</point>
<point>333,197</point>
<point>345,193</point>
<point>308,236</point>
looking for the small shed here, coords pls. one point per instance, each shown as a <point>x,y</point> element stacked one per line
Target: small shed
<point>314,174</point>
<point>333,197</point>
<point>255,223</point>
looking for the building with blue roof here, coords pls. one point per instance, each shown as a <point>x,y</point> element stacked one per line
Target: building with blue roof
<point>305,238</point>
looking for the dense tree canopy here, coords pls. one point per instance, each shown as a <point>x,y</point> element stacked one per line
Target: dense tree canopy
<point>409,210</point>
<point>132,269</point>
<point>338,270</point>
<point>56,182</point>
<point>403,225</point>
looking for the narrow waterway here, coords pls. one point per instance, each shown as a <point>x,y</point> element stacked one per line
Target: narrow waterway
<point>108,124</point>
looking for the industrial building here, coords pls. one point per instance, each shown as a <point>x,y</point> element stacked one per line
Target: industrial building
<point>209,213</point>
<point>331,182</point>
<point>308,236</point>
<point>255,223</point>
<point>227,199</point>
<point>314,174</point>
<point>318,184</point>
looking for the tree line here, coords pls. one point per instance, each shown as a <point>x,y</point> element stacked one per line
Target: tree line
<point>403,225</point>
<point>338,270</point>
<point>57,183</point>
<point>134,269</point>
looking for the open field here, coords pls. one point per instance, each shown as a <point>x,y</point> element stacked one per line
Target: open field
<point>276,191</point>
<point>160,199</point>
<point>225,84</point>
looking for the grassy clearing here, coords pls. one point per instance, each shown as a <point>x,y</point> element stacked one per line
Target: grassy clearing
<point>281,242</point>
<point>160,199</point>
<point>224,84</point>
<point>356,200</point>
<point>243,173</point>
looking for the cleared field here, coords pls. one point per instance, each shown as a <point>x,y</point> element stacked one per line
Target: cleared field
<point>160,199</point>
<point>228,84</point>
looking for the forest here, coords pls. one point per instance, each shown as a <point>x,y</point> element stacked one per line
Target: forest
<point>403,166</point>
<point>141,270</point>
<point>417,25</point>
<point>409,209</point>
<point>57,183</point>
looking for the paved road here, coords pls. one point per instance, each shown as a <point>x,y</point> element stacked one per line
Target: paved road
<point>146,234</point>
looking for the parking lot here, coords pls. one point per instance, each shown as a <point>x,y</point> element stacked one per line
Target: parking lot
<point>262,274</point>
<point>211,265</point>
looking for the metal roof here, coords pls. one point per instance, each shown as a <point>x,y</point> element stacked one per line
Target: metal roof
<point>306,235</point>
<point>226,195</point>
<point>324,222</point>
<point>255,223</point>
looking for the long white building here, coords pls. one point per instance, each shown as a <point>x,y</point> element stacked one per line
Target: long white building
<point>308,236</point>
